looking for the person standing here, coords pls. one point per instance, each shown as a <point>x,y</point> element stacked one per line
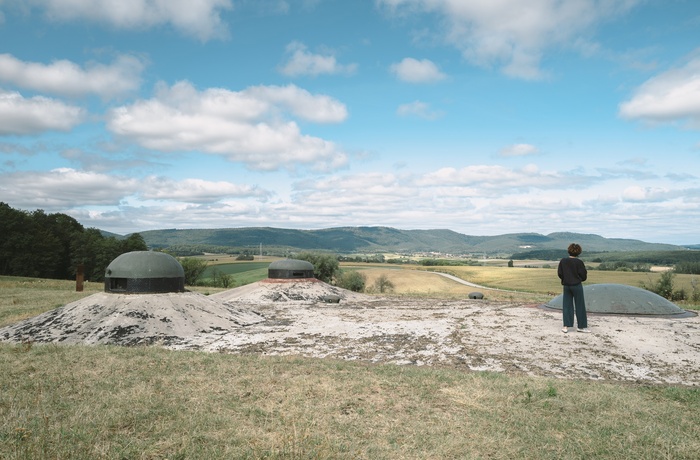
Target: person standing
<point>572,272</point>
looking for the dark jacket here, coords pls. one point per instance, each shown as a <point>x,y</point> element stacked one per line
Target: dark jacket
<point>572,271</point>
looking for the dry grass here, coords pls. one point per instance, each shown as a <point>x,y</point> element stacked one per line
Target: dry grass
<point>104,402</point>
<point>530,284</point>
<point>22,298</point>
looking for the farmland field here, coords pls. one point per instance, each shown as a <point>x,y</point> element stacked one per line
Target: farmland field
<point>539,284</point>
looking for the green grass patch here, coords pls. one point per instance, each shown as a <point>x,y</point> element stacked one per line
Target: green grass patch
<point>109,402</point>
<point>242,272</point>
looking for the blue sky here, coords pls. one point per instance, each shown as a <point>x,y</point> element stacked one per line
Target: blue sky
<point>483,117</point>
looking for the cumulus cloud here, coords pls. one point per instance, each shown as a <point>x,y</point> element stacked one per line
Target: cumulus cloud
<point>512,34</point>
<point>25,116</point>
<point>66,78</point>
<point>66,187</point>
<point>414,71</point>
<point>196,190</point>
<point>418,109</point>
<point>671,96</point>
<point>63,187</point>
<point>303,62</point>
<point>519,150</point>
<point>494,177</point>
<point>495,198</point>
<point>200,19</point>
<point>247,126</point>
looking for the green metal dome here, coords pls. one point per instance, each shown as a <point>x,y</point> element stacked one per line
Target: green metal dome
<point>144,271</point>
<point>290,268</point>
<point>621,299</point>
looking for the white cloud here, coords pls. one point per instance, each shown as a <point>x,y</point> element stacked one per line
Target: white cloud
<point>475,200</point>
<point>317,108</point>
<point>195,190</point>
<point>490,178</point>
<point>514,34</point>
<point>671,96</point>
<point>65,187</point>
<point>248,126</point>
<point>200,19</point>
<point>22,116</point>
<point>66,78</point>
<point>414,71</point>
<point>519,150</point>
<point>418,109</point>
<point>302,62</point>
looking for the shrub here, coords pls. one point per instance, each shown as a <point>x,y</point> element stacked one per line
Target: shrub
<point>352,280</point>
<point>383,284</point>
<point>664,287</point>
<point>326,266</point>
<point>193,269</point>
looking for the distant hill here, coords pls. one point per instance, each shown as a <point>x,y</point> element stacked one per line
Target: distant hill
<point>347,240</point>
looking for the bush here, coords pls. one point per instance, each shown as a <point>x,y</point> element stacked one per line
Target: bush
<point>193,269</point>
<point>383,284</point>
<point>326,266</point>
<point>352,280</point>
<point>664,287</point>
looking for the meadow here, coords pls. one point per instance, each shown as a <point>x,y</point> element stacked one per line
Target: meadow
<point>83,402</point>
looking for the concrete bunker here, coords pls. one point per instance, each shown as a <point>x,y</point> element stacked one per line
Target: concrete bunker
<point>620,299</point>
<point>287,269</point>
<point>142,272</point>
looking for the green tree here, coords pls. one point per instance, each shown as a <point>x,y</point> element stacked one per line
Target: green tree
<point>352,280</point>
<point>134,242</point>
<point>664,286</point>
<point>193,269</point>
<point>383,284</point>
<point>326,266</point>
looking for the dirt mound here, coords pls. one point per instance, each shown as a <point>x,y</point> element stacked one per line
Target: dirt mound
<point>132,319</point>
<point>307,290</point>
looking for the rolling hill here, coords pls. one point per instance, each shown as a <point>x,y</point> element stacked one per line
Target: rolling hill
<point>347,240</point>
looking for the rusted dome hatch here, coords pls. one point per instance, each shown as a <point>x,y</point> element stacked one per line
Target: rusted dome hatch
<point>144,272</point>
<point>620,299</point>
<point>290,269</point>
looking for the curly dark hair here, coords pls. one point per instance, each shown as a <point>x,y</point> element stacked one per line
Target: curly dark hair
<point>574,250</point>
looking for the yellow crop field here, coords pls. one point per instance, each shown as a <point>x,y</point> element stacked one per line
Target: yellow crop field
<point>539,283</point>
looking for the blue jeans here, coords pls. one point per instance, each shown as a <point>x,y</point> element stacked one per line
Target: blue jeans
<point>574,295</point>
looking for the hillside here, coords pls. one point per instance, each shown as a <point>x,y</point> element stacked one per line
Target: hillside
<point>346,240</point>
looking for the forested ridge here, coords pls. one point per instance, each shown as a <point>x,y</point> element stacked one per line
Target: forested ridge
<point>40,245</point>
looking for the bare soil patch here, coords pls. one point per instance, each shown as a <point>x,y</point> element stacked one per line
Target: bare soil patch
<point>479,335</point>
<point>476,335</point>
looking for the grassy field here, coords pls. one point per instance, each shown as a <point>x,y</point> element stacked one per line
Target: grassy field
<point>104,402</point>
<point>242,273</point>
<point>79,402</point>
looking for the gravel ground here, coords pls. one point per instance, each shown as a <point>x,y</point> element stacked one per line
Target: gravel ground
<point>296,319</point>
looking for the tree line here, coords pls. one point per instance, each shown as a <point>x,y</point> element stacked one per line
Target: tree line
<point>39,245</point>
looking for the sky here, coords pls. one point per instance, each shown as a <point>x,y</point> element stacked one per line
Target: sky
<point>485,117</point>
